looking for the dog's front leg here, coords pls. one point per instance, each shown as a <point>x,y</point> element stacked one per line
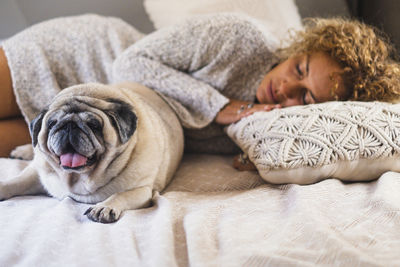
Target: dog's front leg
<point>26,183</point>
<point>110,210</point>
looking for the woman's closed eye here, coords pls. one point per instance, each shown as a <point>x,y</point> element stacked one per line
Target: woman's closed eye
<point>305,98</point>
<point>299,71</point>
<point>308,97</point>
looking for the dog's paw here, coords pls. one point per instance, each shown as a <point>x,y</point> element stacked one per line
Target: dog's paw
<point>24,152</point>
<point>103,214</point>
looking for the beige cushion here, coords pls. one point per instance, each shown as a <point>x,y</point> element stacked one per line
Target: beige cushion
<point>277,15</point>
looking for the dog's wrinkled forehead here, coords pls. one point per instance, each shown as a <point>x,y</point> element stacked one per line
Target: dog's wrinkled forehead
<point>74,112</point>
<point>76,104</point>
<point>90,91</point>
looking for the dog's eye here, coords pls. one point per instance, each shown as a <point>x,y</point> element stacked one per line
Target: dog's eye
<point>94,125</point>
<point>51,123</point>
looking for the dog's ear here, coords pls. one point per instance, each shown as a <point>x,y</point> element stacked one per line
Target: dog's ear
<point>123,119</point>
<point>35,126</point>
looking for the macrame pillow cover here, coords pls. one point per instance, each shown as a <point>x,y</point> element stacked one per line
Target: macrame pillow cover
<point>352,141</point>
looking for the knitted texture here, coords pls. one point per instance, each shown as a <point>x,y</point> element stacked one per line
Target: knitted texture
<point>319,135</point>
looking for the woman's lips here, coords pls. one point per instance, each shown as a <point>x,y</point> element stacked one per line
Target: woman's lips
<point>270,92</point>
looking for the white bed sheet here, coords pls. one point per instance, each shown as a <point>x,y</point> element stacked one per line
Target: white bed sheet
<point>212,215</point>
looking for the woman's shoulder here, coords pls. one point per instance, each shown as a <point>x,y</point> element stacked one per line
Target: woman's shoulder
<point>232,25</point>
<point>223,19</point>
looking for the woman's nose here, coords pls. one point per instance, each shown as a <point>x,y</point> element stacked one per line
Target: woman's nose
<point>291,93</point>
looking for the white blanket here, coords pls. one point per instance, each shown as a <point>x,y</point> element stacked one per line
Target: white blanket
<point>212,215</point>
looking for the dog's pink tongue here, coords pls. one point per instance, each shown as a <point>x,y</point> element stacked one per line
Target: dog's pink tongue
<point>72,160</point>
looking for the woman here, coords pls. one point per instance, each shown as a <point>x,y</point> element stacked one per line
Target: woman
<point>213,70</point>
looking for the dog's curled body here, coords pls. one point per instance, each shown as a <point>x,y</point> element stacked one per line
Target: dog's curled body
<point>109,145</point>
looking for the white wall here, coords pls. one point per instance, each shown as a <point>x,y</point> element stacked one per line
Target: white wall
<point>17,14</point>
<point>11,18</point>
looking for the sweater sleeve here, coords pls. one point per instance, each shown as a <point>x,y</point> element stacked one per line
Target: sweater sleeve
<point>169,60</point>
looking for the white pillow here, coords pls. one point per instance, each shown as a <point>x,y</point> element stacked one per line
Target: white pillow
<point>277,15</point>
<point>352,141</point>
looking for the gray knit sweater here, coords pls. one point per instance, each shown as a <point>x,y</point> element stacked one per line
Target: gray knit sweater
<point>196,65</point>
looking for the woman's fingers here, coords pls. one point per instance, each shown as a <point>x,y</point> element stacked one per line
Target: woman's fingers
<point>261,107</point>
<point>242,163</point>
<point>236,110</point>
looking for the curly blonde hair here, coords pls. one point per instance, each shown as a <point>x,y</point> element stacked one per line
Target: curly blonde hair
<point>369,72</point>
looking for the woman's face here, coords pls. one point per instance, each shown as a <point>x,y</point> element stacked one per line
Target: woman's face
<point>301,80</point>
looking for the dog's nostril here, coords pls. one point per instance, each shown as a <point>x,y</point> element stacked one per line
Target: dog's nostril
<point>68,148</point>
<point>70,125</point>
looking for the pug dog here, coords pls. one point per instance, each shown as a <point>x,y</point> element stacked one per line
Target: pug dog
<point>107,145</point>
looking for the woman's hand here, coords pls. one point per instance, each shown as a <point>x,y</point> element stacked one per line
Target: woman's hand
<point>241,162</point>
<point>236,109</point>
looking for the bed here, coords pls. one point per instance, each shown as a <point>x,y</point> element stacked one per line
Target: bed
<point>212,215</point>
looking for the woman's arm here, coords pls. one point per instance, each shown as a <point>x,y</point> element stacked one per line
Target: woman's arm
<point>199,98</point>
<point>241,162</point>
<point>190,63</point>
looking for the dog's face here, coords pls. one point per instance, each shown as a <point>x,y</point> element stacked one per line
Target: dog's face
<point>80,136</point>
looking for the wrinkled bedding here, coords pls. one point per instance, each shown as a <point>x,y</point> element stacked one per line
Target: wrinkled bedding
<point>212,215</point>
